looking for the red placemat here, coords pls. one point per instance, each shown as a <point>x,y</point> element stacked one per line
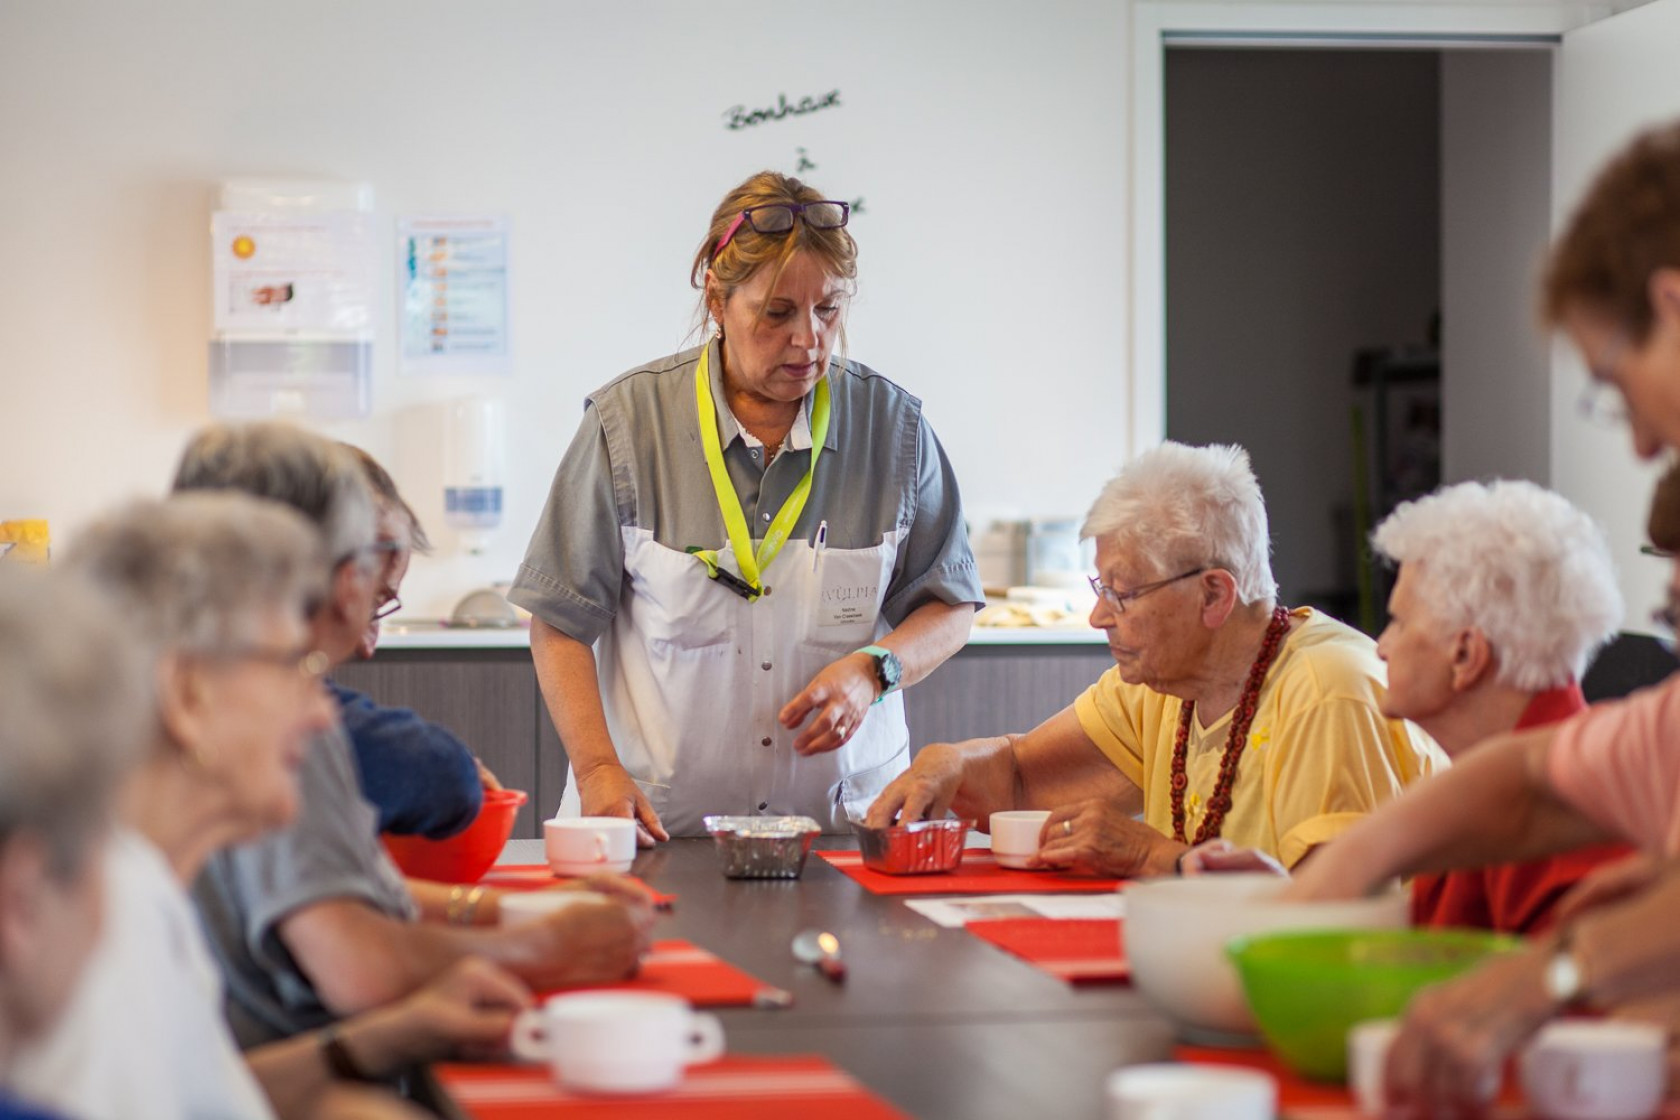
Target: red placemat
<point>537,876</point>
<point>684,969</point>
<point>978,873</point>
<point>733,1088</point>
<point>1078,950</point>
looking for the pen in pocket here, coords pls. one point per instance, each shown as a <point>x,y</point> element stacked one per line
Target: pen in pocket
<point>817,548</point>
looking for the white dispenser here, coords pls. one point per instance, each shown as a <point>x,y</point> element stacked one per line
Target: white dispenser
<point>472,470</point>
<point>293,291</point>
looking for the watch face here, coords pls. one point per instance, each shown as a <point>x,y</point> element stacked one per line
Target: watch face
<point>890,670</point>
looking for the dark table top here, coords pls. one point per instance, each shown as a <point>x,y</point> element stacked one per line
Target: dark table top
<point>935,1020</point>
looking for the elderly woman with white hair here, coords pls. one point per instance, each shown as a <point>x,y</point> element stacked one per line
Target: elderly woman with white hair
<point>73,702</point>
<point>216,587</point>
<point>1226,715</point>
<point>1504,593</point>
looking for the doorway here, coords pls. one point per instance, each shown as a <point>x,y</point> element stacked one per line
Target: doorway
<point>1316,310</point>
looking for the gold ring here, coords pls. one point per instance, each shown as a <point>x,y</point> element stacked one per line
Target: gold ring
<point>1067,828</point>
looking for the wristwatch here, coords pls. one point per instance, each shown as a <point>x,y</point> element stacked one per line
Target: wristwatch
<point>889,670</point>
<point>1563,980</point>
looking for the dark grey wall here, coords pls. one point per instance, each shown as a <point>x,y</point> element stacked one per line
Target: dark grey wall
<point>1303,215</point>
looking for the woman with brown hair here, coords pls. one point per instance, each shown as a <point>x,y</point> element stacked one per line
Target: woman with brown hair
<point>749,548</point>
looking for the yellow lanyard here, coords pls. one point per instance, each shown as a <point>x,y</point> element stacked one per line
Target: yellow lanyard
<point>750,585</point>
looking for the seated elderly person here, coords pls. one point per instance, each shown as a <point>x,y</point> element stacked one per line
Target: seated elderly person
<point>314,922</point>
<point>418,774</point>
<point>1225,714</point>
<point>73,702</point>
<point>215,586</point>
<point>1504,593</point>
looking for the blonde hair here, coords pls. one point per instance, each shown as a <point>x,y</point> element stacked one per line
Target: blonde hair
<point>748,251</point>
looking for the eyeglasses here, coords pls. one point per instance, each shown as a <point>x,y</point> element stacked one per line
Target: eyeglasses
<point>777,217</point>
<point>1119,599</point>
<point>388,605</point>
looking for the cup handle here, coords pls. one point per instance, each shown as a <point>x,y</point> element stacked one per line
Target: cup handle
<point>705,1039</point>
<point>528,1040</point>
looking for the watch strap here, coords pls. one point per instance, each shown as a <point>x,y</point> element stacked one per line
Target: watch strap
<point>880,654</point>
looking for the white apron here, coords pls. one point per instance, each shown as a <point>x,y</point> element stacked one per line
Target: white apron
<point>692,677</point>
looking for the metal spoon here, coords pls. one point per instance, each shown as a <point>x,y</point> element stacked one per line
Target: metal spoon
<point>821,948</point>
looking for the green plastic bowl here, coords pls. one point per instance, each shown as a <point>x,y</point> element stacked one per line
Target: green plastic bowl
<point>1307,988</point>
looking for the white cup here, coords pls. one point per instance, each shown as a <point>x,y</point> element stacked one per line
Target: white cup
<point>1367,1052</point>
<point>587,845</point>
<point>1173,1091</point>
<point>617,1042</point>
<point>517,908</point>
<point>1595,1070</point>
<point>1015,835</point>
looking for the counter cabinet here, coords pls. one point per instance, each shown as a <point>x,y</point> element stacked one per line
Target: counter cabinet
<point>489,697</point>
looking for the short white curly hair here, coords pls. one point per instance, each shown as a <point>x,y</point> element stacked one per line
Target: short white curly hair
<point>1517,562</point>
<point>1176,506</point>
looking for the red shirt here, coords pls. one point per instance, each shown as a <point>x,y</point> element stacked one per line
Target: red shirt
<point>1513,897</point>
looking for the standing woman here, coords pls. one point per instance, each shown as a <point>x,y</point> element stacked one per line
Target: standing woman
<point>749,549</point>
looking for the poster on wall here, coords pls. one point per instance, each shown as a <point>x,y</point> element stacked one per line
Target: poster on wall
<point>453,292</point>
<point>292,272</point>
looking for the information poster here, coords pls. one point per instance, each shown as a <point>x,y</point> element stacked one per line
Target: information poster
<point>454,294</point>
<point>280,272</point>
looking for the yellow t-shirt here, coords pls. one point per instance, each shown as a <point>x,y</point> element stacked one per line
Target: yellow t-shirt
<point>1320,755</point>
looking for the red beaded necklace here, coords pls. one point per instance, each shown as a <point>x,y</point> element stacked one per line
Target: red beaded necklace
<point>1219,802</point>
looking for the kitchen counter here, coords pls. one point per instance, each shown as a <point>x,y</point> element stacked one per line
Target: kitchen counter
<point>399,634</point>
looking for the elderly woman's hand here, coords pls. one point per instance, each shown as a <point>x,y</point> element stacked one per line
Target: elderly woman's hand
<point>840,696</point>
<point>1096,838</point>
<point>1447,1059</point>
<point>924,791</point>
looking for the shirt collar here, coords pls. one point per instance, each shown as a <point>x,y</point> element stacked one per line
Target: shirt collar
<point>1552,706</point>
<point>730,429</point>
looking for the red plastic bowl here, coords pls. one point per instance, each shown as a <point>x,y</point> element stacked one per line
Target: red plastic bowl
<point>467,855</point>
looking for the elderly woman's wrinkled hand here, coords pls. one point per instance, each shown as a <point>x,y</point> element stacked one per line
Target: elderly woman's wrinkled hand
<point>1096,838</point>
<point>835,702</point>
<point>466,1012</point>
<point>924,791</point>
<point>1451,1050</point>
<point>586,943</point>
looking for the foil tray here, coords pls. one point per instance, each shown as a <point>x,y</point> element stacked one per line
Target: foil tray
<point>763,847</point>
<point>918,848</point>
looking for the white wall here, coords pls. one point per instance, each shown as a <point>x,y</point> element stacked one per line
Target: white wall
<point>1613,78</point>
<point>1496,158</point>
<point>987,137</point>
<point>1302,216</point>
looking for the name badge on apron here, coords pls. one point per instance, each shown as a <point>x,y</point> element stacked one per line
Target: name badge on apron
<point>843,598</point>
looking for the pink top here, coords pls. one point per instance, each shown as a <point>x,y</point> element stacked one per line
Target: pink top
<point>1618,765</point>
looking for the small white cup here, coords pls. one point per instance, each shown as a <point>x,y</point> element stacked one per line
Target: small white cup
<point>1015,835</point>
<point>1173,1091</point>
<point>588,845</point>
<point>1595,1070</point>
<point>617,1042</point>
<point>1367,1051</point>
<point>517,908</point>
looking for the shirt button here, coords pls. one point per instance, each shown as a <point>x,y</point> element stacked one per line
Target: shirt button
<point>763,805</point>
<point>765,666</point>
<point>767,517</point>
<point>755,453</point>
<point>764,742</point>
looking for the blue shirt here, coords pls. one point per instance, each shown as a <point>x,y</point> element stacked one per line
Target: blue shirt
<point>13,1109</point>
<point>420,777</point>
